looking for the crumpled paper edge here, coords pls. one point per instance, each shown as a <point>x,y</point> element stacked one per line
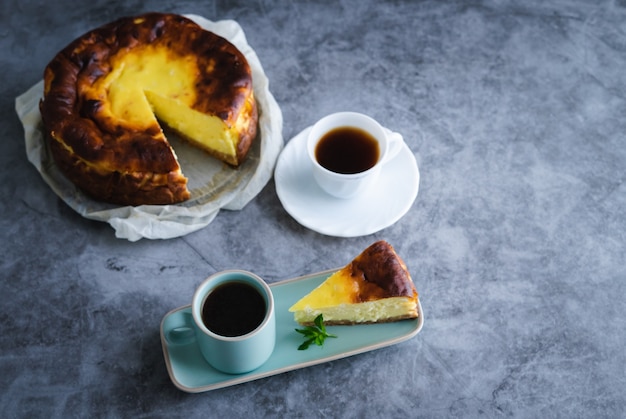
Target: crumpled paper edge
<point>165,221</point>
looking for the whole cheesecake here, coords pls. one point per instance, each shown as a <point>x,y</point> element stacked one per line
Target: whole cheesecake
<point>375,287</point>
<point>109,92</point>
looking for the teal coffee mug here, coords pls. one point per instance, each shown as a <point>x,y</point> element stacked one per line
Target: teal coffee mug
<point>233,321</point>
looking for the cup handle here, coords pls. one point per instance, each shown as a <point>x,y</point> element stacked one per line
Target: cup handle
<point>396,142</point>
<point>183,333</point>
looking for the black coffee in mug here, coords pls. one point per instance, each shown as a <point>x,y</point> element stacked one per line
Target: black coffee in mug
<point>233,309</point>
<point>347,150</point>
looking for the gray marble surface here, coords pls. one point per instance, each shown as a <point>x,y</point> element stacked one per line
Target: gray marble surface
<point>516,114</point>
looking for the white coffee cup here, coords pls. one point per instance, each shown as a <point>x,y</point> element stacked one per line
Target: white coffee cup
<point>348,185</point>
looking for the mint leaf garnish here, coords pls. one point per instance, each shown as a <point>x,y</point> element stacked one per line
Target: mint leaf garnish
<point>314,334</point>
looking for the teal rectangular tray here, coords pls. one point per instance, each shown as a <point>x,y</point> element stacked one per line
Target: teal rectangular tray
<point>191,373</point>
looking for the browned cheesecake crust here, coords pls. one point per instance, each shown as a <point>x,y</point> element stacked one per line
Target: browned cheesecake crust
<point>113,160</point>
<point>381,273</point>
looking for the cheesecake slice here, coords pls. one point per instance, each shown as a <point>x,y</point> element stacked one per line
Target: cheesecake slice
<point>375,287</point>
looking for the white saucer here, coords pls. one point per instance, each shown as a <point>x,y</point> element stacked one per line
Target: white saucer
<point>389,198</point>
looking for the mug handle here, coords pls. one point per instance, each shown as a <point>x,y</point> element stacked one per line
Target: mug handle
<point>183,331</point>
<point>396,142</point>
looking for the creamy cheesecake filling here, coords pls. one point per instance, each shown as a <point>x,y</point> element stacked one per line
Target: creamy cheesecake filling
<point>205,131</point>
<point>369,312</point>
<point>156,84</point>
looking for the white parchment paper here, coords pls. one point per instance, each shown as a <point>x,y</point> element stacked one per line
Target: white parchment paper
<point>213,184</point>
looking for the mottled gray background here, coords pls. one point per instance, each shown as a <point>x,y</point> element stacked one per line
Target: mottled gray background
<point>516,114</point>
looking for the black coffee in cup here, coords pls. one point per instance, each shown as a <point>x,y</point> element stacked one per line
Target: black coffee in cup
<point>347,150</point>
<point>233,309</point>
